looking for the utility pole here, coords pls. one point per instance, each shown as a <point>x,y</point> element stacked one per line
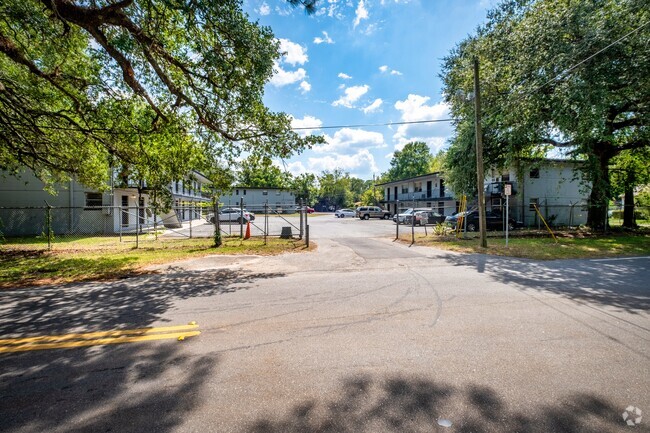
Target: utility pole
<point>479,157</point>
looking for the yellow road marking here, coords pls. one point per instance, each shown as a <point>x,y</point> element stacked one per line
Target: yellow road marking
<point>116,336</point>
<point>95,335</point>
<point>100,341</point>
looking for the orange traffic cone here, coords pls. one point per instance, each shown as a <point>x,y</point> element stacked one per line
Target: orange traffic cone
<point>248,230</point>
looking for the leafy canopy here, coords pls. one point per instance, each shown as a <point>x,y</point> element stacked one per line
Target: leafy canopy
<point>87,85</point>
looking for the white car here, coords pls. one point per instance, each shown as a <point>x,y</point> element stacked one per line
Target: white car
<point>342,213</point>
<point>232,214</point>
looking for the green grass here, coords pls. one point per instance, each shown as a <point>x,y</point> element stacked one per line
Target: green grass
<point>568,246</point>
<point>27,262</point>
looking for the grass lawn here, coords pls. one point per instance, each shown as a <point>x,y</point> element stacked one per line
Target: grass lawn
<point>25,262</point>
<point>568,245</point>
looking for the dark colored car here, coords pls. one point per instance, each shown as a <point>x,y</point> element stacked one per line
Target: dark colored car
<point>428,217</point>
<point>493,220</point>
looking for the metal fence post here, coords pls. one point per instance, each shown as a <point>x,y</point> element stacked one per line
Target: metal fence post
<point>137,225</point>
<point>266,220</point>
<point>300,215</point>
<point>241,217</point>
<point>396,219</point>
<point>191,218</point>
<point>48,225</point>
<point>307,235</point>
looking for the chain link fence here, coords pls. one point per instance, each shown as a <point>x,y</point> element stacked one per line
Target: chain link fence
<point>49,225</point>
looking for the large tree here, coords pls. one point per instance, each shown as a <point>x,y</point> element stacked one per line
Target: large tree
<point>414,159</point>
<point>78,78</point>
<point>259,172</point>
<point>558,74</point>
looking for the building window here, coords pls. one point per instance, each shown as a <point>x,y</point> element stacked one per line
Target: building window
<point>534,173</point>
<point>417,187</point>
<point>441,207</point>
<point>405,189</point>
<point>93,199</point>
<point>244,192</point>
<point>533,203</point>
<point>236,192</point>
<point>265,193</point>
<point>176,187</point>
<point>506,177</point>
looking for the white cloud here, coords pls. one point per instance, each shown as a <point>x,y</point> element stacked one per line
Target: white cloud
<point>310,122</point>
<point>324,40</point>
<point>373,107</point>
<point>361,13</point>
<point>352,95</point>
<point>296,168</point>
<point>305,87</point>
<point>292,53</point>
<point>414,109</point>
<point>384,69</point>
<point>344,76</point>
<point>284,78</point>
<point>264,9</point>
<point>361,164</point>
<point>348,140</point>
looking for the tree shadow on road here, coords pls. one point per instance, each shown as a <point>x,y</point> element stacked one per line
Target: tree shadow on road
<point>416,404</point>
<point>137,387</point>
<point>620,284</point>
<point>127,303</point>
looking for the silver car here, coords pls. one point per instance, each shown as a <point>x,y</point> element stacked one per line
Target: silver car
<point>342,213</point>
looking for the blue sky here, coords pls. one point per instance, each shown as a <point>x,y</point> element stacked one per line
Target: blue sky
<point>364,62</point>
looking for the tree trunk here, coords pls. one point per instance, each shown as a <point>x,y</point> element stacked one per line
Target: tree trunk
<point>600,188</point>
<point>628,210</point>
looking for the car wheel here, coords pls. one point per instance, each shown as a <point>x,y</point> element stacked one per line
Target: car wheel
<point>386,216</point>
<point>211,221</point>
<point>342,216</point>
<point>366,217</point>
<point>240,220</point>
<point>471,227</point>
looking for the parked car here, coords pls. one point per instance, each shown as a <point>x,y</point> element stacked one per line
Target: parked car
<point>306,209</point>
<point>367,212</point>
<point>424,217</point>
<point>406,217</point>
<point>229,214</point>
<point>493,221</point>
<point>342,213</point>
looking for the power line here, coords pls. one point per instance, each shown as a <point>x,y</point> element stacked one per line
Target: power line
<point>369,125</point>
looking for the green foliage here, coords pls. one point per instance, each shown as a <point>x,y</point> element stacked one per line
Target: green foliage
<point>533,97</point>
<point>145,84</point>
<point>305,187</point>
<point>259,172</point>
<point>335,188</point>
<point>439,229</point>
<point>372,196</point>
<point>414,159</point>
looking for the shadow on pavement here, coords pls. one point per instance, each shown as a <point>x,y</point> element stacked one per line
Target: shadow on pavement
<point>620,284</point>
<point>137,387</point>
<point>413,404</point>
<point>123,304</point>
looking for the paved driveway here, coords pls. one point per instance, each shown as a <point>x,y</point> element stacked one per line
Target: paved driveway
<point>363,335</point>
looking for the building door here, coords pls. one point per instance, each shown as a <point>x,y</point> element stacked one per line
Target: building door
<point>442,187</point>
<point>429,188</point>
<point>125,210</point>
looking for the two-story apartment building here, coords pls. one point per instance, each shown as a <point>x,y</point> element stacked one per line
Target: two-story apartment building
<point>554,186</point>
<point>428,190</point>
<point>257,199</point>
<point>76,208</point>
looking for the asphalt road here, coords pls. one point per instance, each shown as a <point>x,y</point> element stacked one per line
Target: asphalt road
<point>362,335</point>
